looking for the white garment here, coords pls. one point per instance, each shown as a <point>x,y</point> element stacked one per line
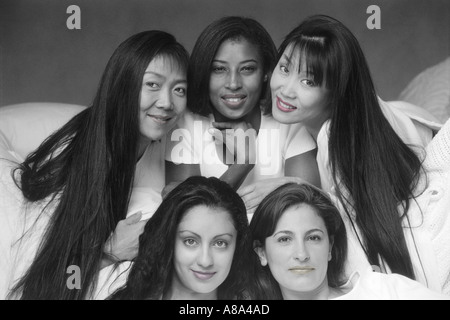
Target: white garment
<point>191,143</point>
<point>149,181</point>
<point>369,285</point>
<point>426,240</point>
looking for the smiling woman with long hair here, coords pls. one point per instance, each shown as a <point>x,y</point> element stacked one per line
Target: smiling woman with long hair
<point>77,184</point>
<point>369,152</point>
<point>195,246</point>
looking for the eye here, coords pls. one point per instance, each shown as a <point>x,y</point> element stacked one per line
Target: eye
<point>221,244</point>
<point>190,242</point>
<point>284,69</point>
<point>152,85</point>
<point>219,69</point>
<point>248,69</point>
<point>180,91</point>
<point>314,238</point>
<point>308,83</point>
<point>284,240</point>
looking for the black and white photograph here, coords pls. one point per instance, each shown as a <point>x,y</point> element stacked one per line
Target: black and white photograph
<point>247,151</point>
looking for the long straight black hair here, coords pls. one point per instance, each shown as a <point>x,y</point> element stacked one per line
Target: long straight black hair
<point>263,285</point>
<point>374,171</point>
<point>152,272</point>
<point>88,167</point>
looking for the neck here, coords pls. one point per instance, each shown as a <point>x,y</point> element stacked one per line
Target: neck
<point>322,292</point>
<point>177,292</point>
<point>314,125</point>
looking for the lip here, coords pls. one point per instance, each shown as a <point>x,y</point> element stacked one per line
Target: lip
<point>203,275</point>
<point>301,270</point>
<point>160,119</point>
<point>284,106</point>
<point>234,100</point>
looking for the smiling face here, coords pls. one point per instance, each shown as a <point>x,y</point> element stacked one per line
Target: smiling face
<point>162,98</point>
<point>295,96</point>
<point>204,248</point>
<point>237,79</point>
<point>298,252</point>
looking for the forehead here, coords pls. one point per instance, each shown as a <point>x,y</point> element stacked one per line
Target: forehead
<point>163,64</point>
<point>207,221</point>
<point>238,48</point>
<point>300,218</point>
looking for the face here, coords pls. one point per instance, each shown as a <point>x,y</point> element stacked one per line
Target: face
<point>162,98</point>
<point>295,96</point>
<point>298,252</point>
<point>237,79</point>
<point>204,249</point>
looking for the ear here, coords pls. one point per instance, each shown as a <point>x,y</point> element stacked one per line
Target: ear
<point>260,252</point>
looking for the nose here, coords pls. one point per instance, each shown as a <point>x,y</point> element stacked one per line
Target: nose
<point>205,259</point>
<point>164,100</point>
<point>301,252</point>
<point>234,81</point>
<point>288,87</point>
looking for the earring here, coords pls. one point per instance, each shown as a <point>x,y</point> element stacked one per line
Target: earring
<point>265,78</point>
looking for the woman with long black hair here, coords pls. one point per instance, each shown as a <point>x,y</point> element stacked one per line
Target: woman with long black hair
<point>76,186</point>
<point>370,152</point>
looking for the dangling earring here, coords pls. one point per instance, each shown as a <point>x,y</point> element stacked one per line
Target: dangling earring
<point>265,77</point>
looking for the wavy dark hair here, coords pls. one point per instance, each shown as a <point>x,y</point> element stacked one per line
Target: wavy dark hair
<point>205,50</point>
<point>151,275</point>
<point>374,171</point>
<point>263,285</point>
<point>88,166</point>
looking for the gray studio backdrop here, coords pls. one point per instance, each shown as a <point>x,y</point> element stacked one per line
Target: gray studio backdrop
<point>42,60</point>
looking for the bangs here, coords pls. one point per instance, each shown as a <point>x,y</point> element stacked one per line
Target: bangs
<point>311,59</point>
<point>174,59</point>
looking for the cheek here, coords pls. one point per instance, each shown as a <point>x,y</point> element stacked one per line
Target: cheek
<point>255,86</point>
<point>180,104</point>
<point>277,256</point>
<point>182,256</point>
<point>275,82</point>
<point>215,83</point>
<point>320,254</point>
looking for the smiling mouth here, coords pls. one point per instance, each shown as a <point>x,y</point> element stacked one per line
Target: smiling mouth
<point>284,106</point>
<point>301,270</point>
<point>234,101</point>
<point>160,119</point>
<point>203,275</point>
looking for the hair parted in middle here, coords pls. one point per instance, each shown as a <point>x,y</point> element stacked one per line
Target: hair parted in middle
<point>205,49</point>
<point>150,276</point>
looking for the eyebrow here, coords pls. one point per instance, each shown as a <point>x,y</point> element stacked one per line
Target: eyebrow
<point>292,233</point>
<point>163,77</point>
<point>198,236</point>
<point>245,61</point>
<point>315,230</point>
<point>284,232</point>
